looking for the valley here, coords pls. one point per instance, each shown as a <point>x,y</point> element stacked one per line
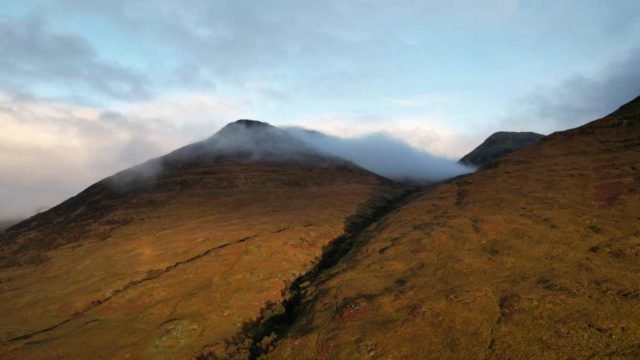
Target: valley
<point>274,252</point>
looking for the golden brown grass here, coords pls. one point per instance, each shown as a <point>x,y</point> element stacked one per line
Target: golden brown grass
<point>535,257</point>
<point>167,272</point>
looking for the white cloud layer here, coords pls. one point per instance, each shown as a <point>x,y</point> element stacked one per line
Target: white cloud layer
<point>385,155</point>
<point>426,132</point>
<point>51,150</point>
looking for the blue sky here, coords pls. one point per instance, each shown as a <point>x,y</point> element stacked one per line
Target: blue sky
<point>352,57</point>
<point>157,74</point>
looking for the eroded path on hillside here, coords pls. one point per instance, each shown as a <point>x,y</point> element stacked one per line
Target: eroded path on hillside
<point>151,275</point>
<point>276,318</point>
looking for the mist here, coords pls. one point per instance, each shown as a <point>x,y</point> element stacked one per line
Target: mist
<point>254,141</point>
<point>239,141</point>
<point>384,155</point>
<point>257,140</point>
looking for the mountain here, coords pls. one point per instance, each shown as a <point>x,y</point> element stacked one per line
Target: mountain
<point>498,145</point>
<point>174,255</point>
<point>151,183</point>
<point>252,245</point>
<point>535,257</point>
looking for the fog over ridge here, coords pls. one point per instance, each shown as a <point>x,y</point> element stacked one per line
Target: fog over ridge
<point>255,141</point>
<point>384,155</point>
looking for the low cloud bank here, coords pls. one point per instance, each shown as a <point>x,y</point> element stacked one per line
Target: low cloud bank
<point>384,155</point>
<point>51,150</point>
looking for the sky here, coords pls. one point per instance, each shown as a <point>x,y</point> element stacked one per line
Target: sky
<point>88,88</point>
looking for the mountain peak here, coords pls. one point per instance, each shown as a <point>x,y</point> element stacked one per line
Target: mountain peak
<point>512,134</point>
<point>243,125</point>
<point>629,109</point>
<point>499,144</point>
<point>249,140</point>
<point>253,136</point>
<point>249,123</point>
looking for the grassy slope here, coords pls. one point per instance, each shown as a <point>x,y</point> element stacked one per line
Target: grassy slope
<point>537,257</point>
<point>166,272</point>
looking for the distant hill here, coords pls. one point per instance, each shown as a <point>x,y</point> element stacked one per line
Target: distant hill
<point>498,145</point>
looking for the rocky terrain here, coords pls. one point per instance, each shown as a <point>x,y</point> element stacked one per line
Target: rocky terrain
<point>498,145</point>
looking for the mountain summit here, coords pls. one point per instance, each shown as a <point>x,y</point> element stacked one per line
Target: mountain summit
<point>259,139</point>
<point>498,145</point>
<point>631,108</point>
<point>242,141</point>
<point>248,140</point>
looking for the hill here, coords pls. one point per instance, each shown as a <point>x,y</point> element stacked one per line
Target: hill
<point>534,257</point>
<point>498,145</point>
<point>174,255</point>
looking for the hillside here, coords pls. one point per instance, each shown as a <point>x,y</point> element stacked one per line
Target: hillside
<point>534,257</point>
<point>498,145</point>
<point>174,255</point>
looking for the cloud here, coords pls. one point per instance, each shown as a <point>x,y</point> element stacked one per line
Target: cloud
<point>580,98</point>
<point>426,132</point>
<point>429,100</point>
<point>384,155</point>
<point>188,113</point>
<point>36,56</point>
<point>208,43</point>
<point>291,62</point>
<point>51,150</point>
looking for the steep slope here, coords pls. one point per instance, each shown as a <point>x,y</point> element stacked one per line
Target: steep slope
<point>172,256</point>
<point>498,145</point>
<point>534,257</point>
